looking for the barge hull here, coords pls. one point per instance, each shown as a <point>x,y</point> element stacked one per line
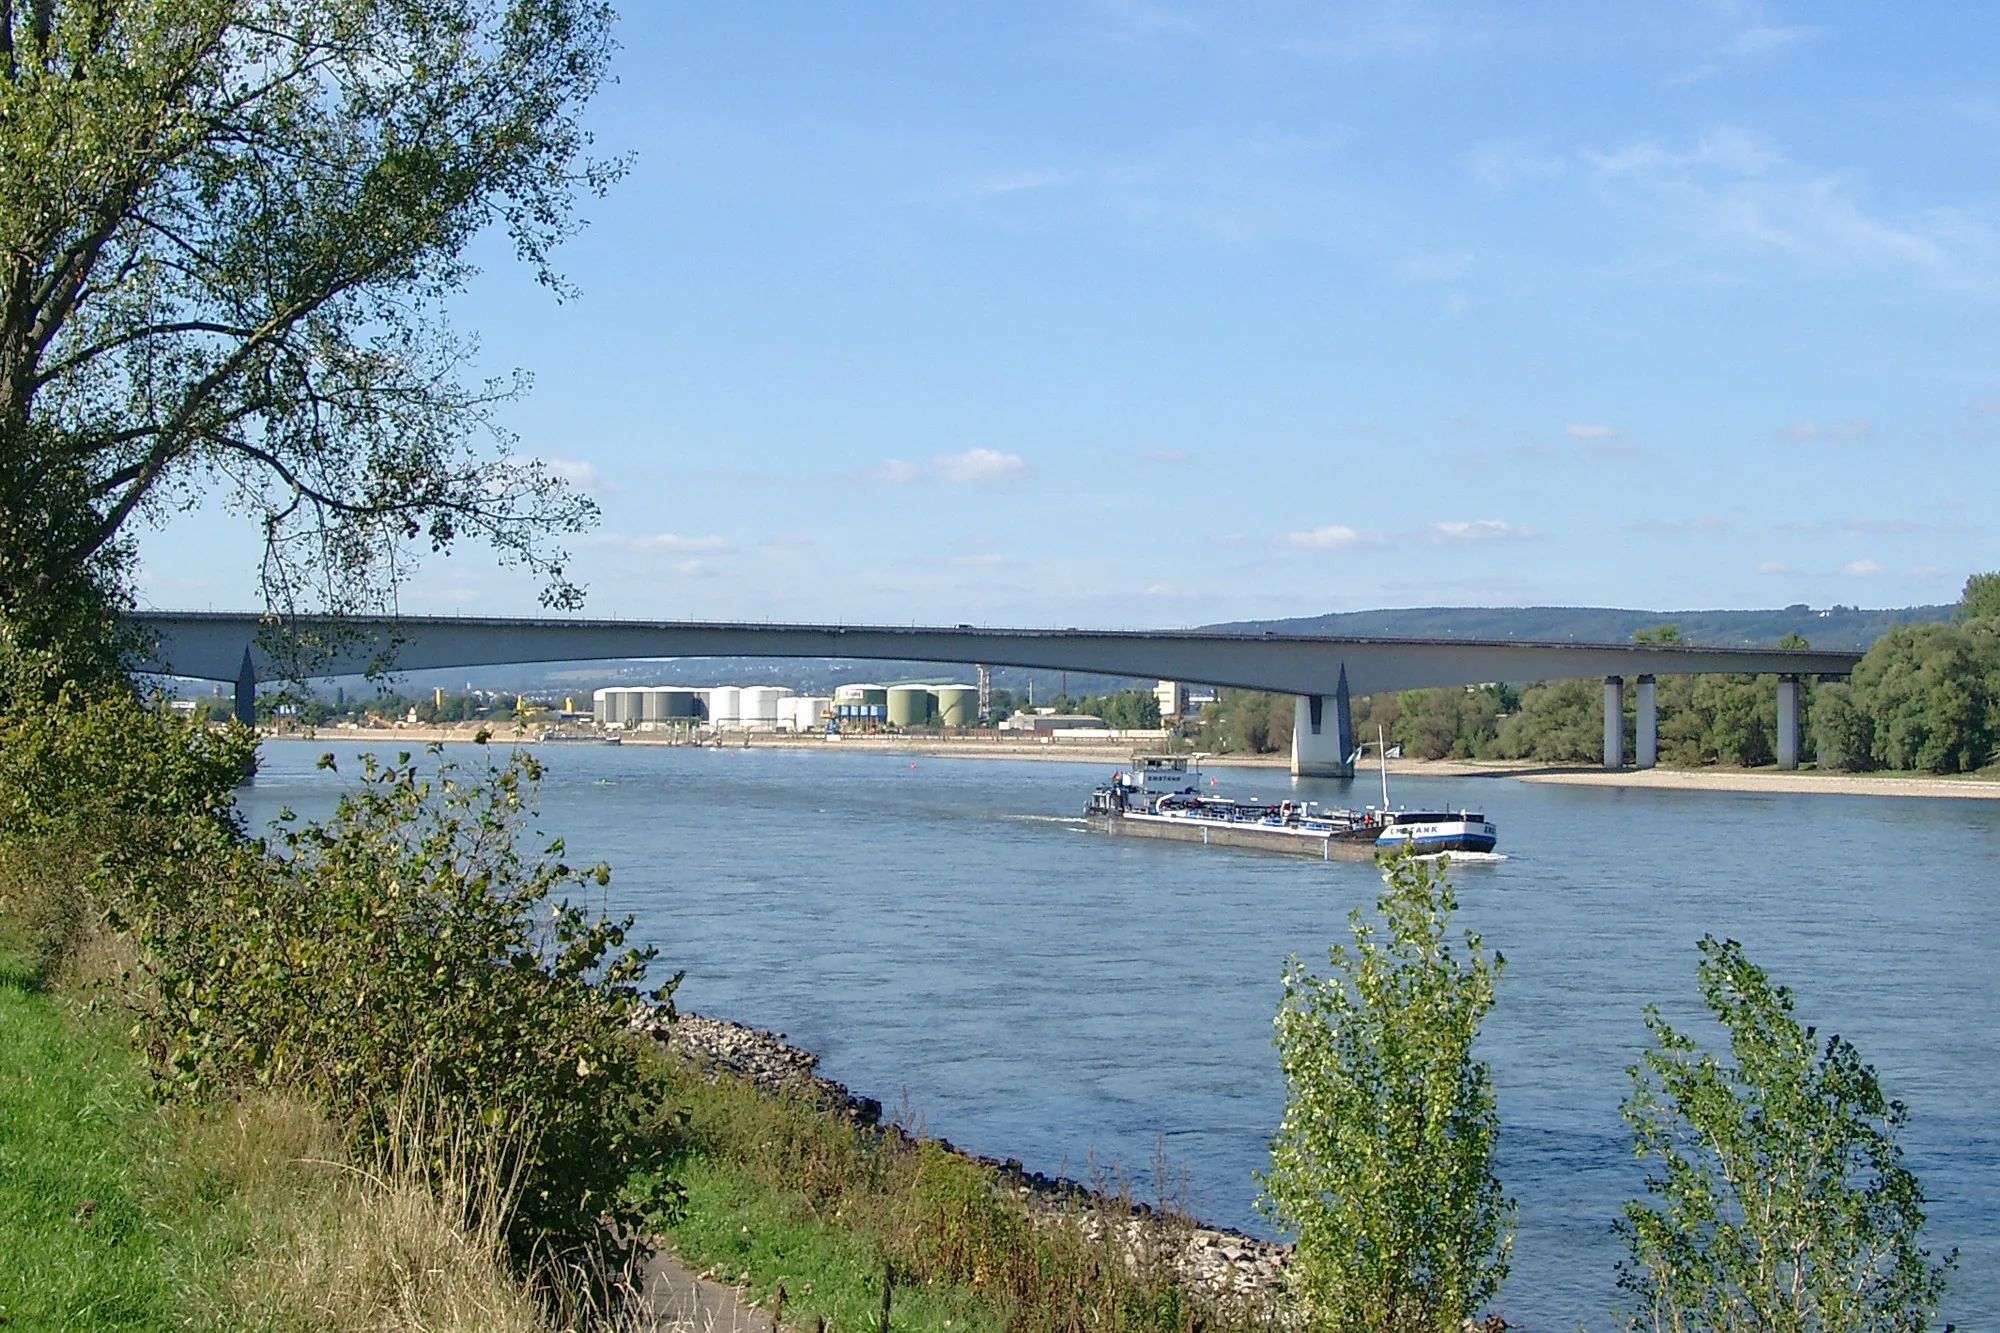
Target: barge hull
<point>1313,847</point>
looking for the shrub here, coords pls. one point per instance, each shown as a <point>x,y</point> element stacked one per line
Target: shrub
<point>406,943</point>
<point>1383,1163</point>
<point>1783,1205</point>
<point>98,794</point>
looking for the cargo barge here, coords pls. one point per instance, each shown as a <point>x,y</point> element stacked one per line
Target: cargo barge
<point>1159,797</point>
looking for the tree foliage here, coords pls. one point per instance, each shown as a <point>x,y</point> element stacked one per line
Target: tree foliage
<point>1247,722</point>
<point>226,231</point>
<point>1779,1198</point>
<point>406,947</point>
<point>1383,1163</point>
<point>1924,697</point>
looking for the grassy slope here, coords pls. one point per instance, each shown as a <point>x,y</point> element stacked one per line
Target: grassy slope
<point>753,1237</point>
<point>89,1240</point>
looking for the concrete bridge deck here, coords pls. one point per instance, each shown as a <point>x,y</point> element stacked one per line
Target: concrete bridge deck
<point>1320,670</point>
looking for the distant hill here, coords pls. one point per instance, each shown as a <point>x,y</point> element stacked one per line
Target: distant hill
<point>1836,627</point>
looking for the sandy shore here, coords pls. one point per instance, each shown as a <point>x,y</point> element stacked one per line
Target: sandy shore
<point>1116,754</point>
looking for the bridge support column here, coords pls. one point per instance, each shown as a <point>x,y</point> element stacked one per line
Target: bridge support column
<point>1647,748</point>
<point>1323,734</point>
<point>1788,722</point>
<point>246,692</point>
<point>1614,722</point>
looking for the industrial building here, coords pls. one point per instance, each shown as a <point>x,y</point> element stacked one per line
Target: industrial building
<point>752,708</point>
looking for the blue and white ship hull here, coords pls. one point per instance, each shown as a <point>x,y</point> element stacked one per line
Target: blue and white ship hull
<point>1426,833</point>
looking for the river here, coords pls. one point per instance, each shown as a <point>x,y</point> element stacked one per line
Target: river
<point>947,938</point>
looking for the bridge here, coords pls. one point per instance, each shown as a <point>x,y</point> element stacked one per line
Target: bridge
<point>1320,671</point>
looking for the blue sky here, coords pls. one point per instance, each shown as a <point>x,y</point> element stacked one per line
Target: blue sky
<point>1155,314</point>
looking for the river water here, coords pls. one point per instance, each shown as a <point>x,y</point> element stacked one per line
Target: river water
<point>947,938</point>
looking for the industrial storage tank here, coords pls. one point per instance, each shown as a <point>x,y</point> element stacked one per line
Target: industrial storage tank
<point>809,712</point>
<point>957,705</point>
<point>681,703</point>
<point>759,705</point>
<point>653,703</point>
<point>909,705</point>
<point>600,706</point>
<point>725,706</point>
<point>862,694</point>
<point>626,707</point>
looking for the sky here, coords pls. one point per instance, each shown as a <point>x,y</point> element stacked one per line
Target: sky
<point>1143,313</point>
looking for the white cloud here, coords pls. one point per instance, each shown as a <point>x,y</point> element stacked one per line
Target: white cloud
<point>1859,428</point>
<point>1592,432</point>
<point>976,466</point>
<point>1862,569</point>
<point>1017,182</point>
<point>1498,164</point>
<point>1478,530</point>
<point>576,471</point>
<point>1334,537</point>
<point>1763,38</point>
<point>1693,527</point>
<point>1881,527</point>
<point>1733,188</point>
<point>894,472</point>
<point>674,541</point>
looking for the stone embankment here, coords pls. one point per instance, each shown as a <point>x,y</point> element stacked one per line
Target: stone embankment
<point>1223,1263</point>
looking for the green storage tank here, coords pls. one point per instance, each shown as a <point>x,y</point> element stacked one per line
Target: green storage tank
<point>909,705</point>
<point>958,705</point>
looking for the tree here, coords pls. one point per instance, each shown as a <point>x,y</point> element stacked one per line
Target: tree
<point>1932,694</point>
<point>1383,1164</point>
<point>227,228</point>
<point>1980,598</point>
<point>1559,720</point>
<point>1782,1202</point>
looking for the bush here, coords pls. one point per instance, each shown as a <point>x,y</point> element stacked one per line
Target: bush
<point>98,791</point>
<point>406,946</point>
<point>1783,1205</point>
<point>1383,1163</point>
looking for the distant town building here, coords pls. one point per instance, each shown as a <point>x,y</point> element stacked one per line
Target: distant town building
<point>1044,722</point>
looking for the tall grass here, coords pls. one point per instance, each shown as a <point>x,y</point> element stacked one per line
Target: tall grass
<point>942,1223</point>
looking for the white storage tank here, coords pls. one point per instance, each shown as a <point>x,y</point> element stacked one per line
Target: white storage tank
<point>630,706</point>
<point>600,706</point>
<point>809,712</point>
<point>682,704</point>
<point>759,705</point>
<point>725,706</point>
<point>653,702</point>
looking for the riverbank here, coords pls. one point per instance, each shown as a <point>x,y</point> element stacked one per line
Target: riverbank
<point>1218,1263</point>
<point>1116,754</point>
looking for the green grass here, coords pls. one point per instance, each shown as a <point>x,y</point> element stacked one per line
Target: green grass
<point>755,1238</point>
<point>84,1239</point>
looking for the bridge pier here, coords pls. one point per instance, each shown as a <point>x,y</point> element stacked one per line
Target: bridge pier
<point>1648,732</point>
<point>1788,721</point>
<point>246,691</point>
<point>1323,734</point>
<point>1614,722</point>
